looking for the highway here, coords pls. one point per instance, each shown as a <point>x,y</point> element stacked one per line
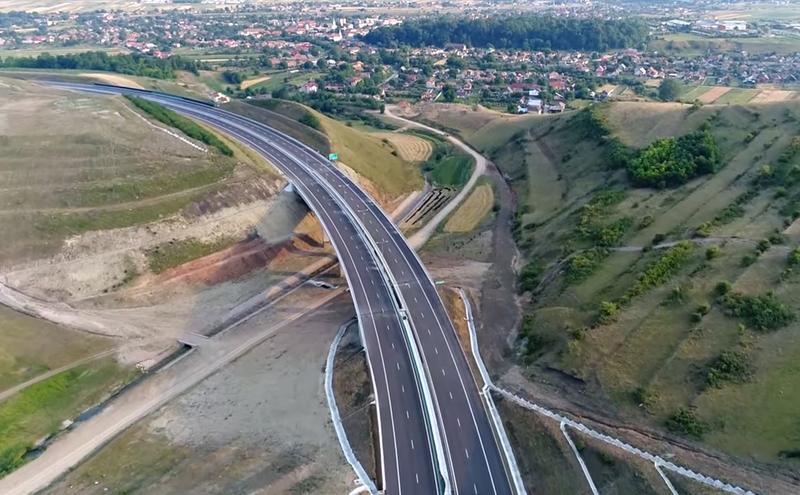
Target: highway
<point>428,424</point>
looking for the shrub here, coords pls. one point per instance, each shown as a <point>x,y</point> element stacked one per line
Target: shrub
<point>529,277</point>
<point>747,260</point>
<point>763,312</point>
<point>607,313</point>
<point>713,252</point>
<point>794,257</point>
<point>685,422</point>
<point>730,366</point>
<point>611,234</point>
<point>534,341</point>
<point>581,265</point>
<point>722,288</point>
<point>663,268</point>
<point>310,120</point>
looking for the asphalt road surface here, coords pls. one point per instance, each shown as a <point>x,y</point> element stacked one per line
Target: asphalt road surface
<point>471,454</point>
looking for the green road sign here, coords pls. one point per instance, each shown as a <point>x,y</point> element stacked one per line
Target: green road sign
<point>333,157</point>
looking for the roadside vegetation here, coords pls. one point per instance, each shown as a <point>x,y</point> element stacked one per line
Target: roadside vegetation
<point>184,124</point>
<point>38,411</point>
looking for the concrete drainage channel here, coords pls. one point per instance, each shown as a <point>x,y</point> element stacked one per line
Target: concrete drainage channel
<point>564,422</point>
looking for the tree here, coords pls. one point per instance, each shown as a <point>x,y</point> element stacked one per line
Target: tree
<point>669,90</point>
<point>448,93</point>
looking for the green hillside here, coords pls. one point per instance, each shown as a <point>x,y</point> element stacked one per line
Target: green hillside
<point>674,304</point>
<point>371,157</point>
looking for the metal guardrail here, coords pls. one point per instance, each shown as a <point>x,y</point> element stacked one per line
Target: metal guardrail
<point>500,431</point>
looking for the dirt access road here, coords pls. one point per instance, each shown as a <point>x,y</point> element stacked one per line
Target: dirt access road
<point>422,235</point>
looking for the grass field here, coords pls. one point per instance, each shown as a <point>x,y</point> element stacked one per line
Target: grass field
<point>31,346</point>
<point>40,409</point>
<point>453,171</point>
<point>691,44</point>
<point>474,209</point>
<point>74,163</point>
<point>545,461</point>
<point>410,147</point>
<point>57,50</point>
<point>659,348</point>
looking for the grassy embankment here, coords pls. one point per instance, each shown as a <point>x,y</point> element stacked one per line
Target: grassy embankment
<point>644,326</point>
<point>368,155</point>
<point>98,166</point>
<point>165,256</point>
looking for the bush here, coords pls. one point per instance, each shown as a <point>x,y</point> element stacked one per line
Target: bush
<point>722,288</point>
<point>534,342</point>
<point>729,367</point>
<point>310,120</point>
<point>529,277</point>
<point>671,162</point>
<point>685,422</point>
<point>669,89</point>
<point>794,257</point>
<point>183,124</point>
<point>607,313</point>
<point>581,265</point>
<point>763,312</point>
<point>713,252</point>
<point>663,268</point>
<point>747,260</point>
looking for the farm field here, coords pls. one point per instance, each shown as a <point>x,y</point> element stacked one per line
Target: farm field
<point>410,147</point>
<point>45,6</point>
<point>474,209</point>
<point>656,354</point>
<point>693,44</point>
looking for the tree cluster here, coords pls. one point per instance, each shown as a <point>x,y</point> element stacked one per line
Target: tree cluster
<point>133,64</point>
<point>671,162</point>
<point>527,32</point>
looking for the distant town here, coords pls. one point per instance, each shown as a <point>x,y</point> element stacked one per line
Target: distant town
<point>325,50</point>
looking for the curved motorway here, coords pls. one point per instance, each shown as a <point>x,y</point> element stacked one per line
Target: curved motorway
<point>431,421</point>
